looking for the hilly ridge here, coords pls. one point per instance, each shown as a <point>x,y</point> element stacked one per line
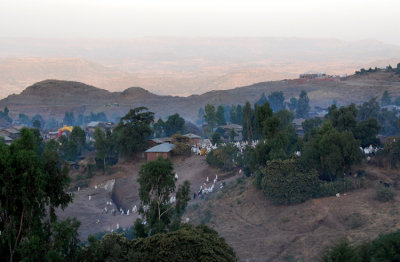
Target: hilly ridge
<point>200,65</point>
<point>55,97</point>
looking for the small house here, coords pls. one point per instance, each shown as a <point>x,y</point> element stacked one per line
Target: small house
<point>164,150</point>
<point>193,139</point>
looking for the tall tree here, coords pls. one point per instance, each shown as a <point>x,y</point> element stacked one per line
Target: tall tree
<point>277,101</point>
<point>133,130</point>
<point>69,119</point>
<point>104,146</point>
<point>24,119</point>
<point>210,115</point>
<point>33,185</point>
<point>40,119</point>
<point>262,100</point>
<point>303,106</point>
<point>248,115</point>
<point>292,104</point>
<point>331,152</point>
<point>368,110</point>
<point>159,128</point>
<point>220,115</point>
<point>386,99</point>
<point>174,125</point>
<point>233,115</point>
<point>344,118</point>
<point>239,114</point>
<point>268,125</point>
<point>157,185</point>
<point>366,131</point>
<point>200,115</point>
<point>78,136</point>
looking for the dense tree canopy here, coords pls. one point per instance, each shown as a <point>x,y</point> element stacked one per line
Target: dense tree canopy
<point>210,115</point>
<point>159,128</point>
<point>157,184</point>
<point>186,244</point>
<point>174,125</point>
<point>386,99</point>
<point>262,100</point>
<point>288,182</point>
<point>105,147</point>
<point>132,131</point>
<point>331,152</point>
<point>32,185</point>
<point>236,114</point>
<point>277,101</point>
<point>220,115</point>
<point>292,104</point>
<point>249,123</point>
<point>303,106</point>
<point>69,119</point>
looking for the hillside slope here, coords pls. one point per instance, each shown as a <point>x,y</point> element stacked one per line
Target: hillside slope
<point>261,231</point>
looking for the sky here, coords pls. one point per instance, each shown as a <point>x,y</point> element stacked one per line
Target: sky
<point>349,20</point>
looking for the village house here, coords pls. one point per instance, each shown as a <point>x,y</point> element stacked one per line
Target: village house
<point>237,128</point>
<point>164,150</point>
<point>193,139</point>
<point>90,127</point>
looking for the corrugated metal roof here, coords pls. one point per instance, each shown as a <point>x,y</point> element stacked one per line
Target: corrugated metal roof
<point>163,148</point>
<point>190,135</point>
<point>7,138</point>
<point>93,124</point>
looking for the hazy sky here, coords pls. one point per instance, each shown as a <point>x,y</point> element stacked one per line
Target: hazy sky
<point>342,19</point>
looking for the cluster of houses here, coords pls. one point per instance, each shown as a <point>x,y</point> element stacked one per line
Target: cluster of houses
<point>10,133</point>
<point>320,76</point>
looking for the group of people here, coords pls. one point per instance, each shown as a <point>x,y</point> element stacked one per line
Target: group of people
<point>205,190</point>
<point>206,147</point>
<point>369,151</point>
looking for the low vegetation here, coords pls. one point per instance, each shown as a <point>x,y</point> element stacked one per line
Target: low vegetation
<point>384,248</point>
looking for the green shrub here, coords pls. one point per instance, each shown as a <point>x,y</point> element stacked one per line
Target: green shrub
<point>288,182</point>
<point>222,157</point>
<point>354,221</point>
<point>383,193</point>
<point>342,252</point>
<point>384,248</point>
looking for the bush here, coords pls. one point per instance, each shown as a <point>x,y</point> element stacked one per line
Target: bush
<point>181,149</point>
<point>222,157</point>
<point>354,221</point>
<point>342,252</point>
<point>288,182</point>
<point>384,194</point>
<point>384,248</point>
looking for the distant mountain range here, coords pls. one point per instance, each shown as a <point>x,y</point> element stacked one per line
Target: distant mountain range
<point>181,66</point>
<point>52,98</point>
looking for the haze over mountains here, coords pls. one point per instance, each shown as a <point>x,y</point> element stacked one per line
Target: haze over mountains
<point>181,66</point>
